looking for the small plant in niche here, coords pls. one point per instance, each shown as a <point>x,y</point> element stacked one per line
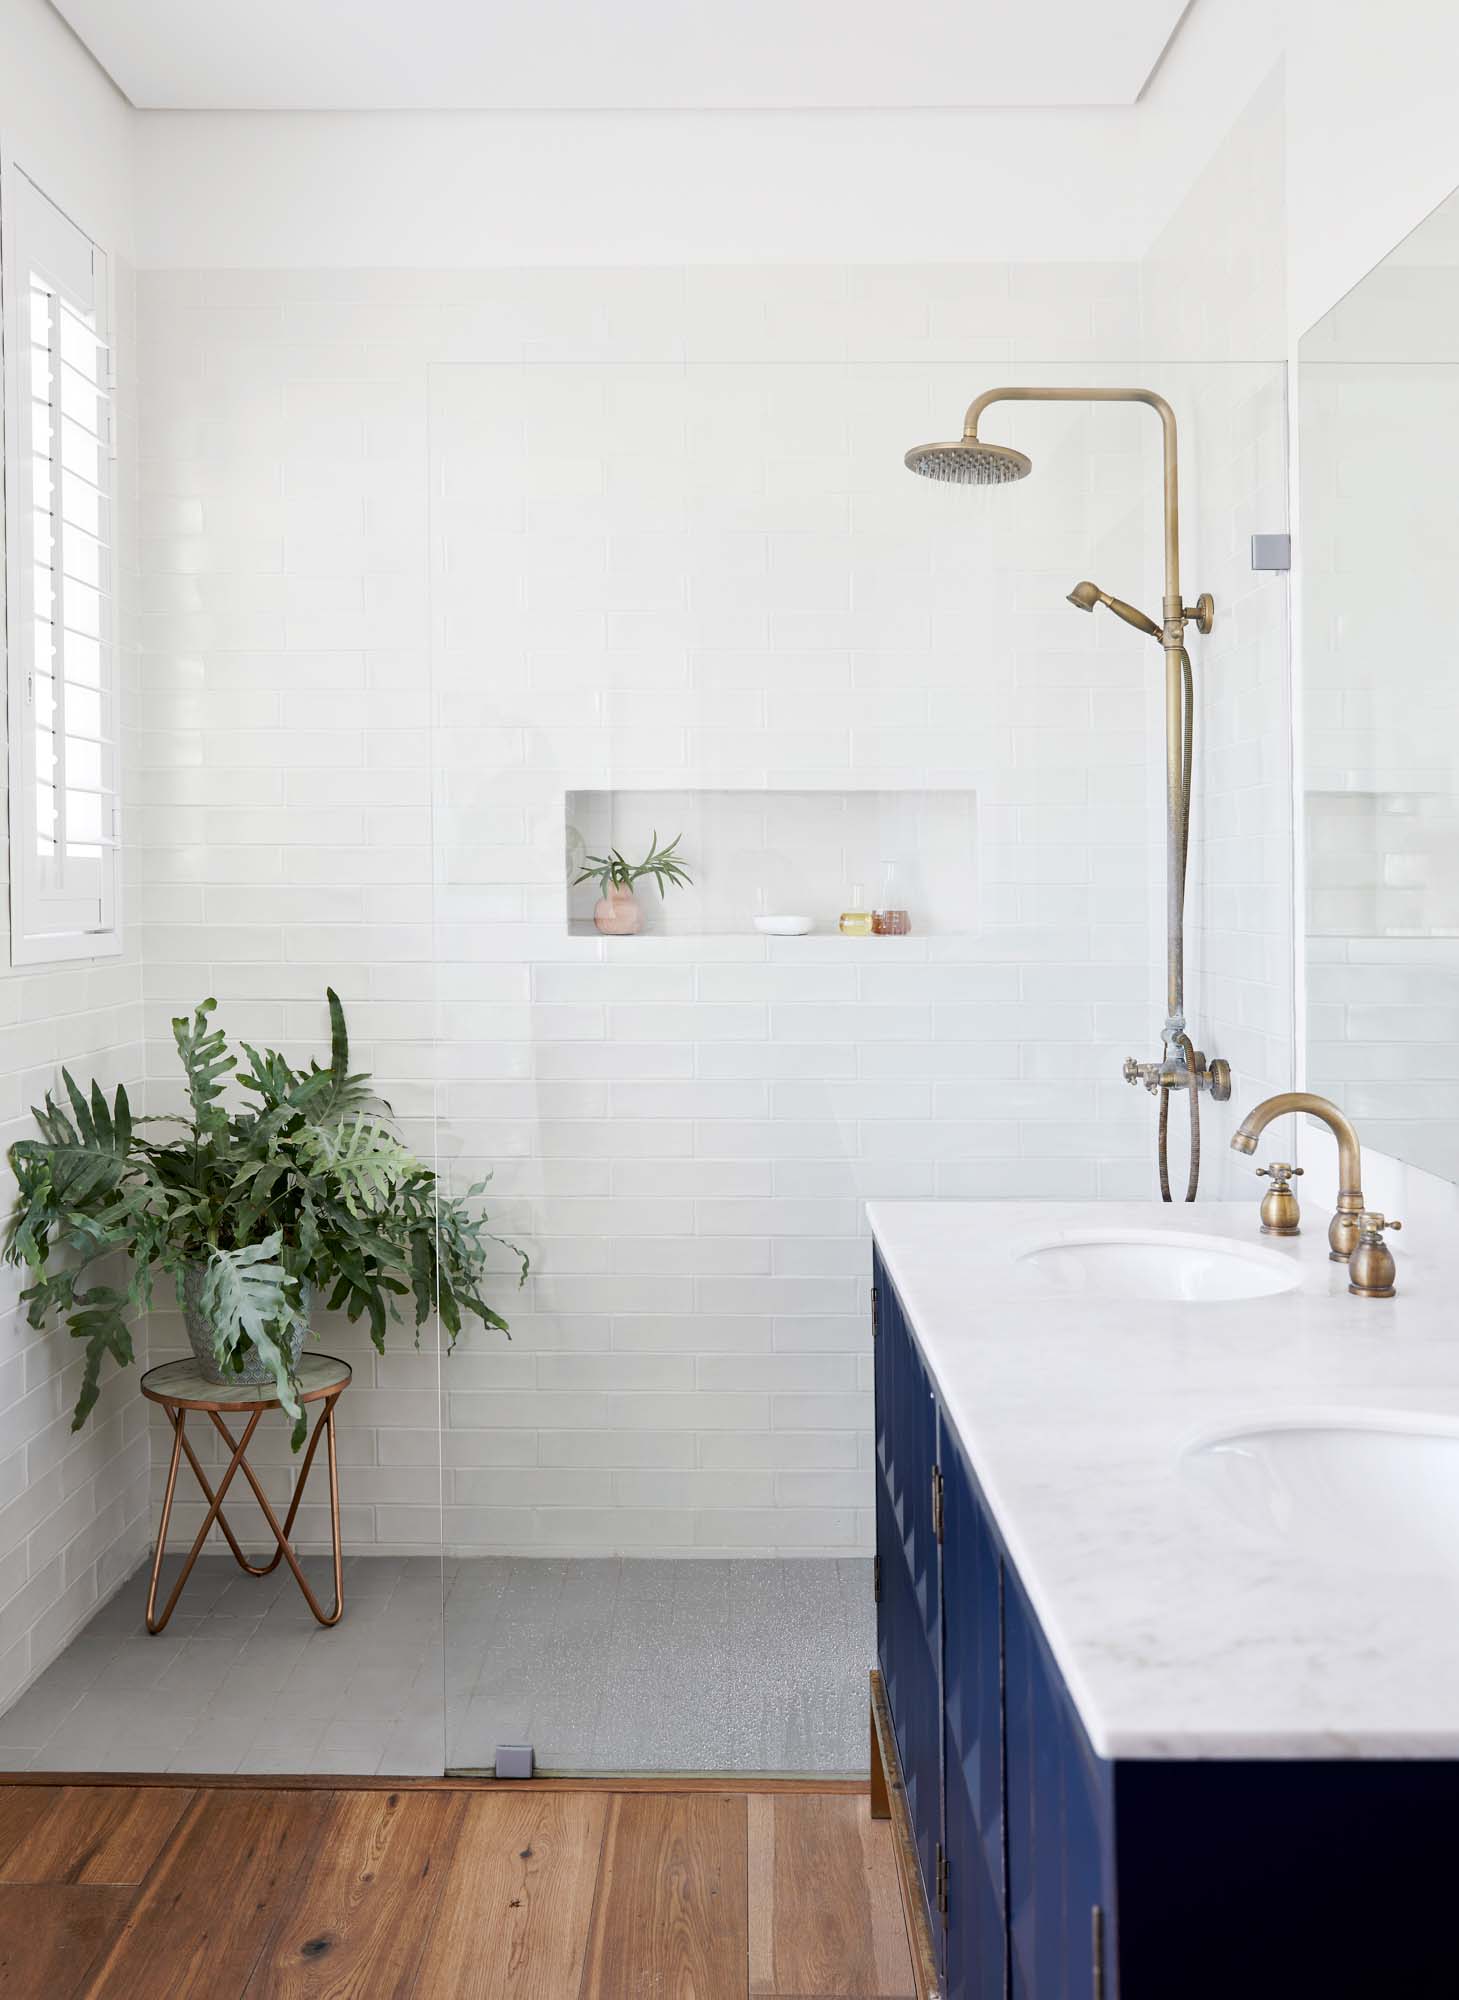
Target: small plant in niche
<point>303,1192</point>
<point>618,913</point>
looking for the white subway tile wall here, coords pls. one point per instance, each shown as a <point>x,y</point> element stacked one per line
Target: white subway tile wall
<point>1213,291</point>
<point>1241,919</point>
<point>1380,403</point>
<point>425,553</point>
<point>74,1516</point>
<point>711,572</point>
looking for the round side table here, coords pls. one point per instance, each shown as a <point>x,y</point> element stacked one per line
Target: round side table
<point>180,1387</point>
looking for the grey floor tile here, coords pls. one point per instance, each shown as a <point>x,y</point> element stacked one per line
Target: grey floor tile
<point>138,1663</point>
<point>350,1745</point>
<point>289,1747</point>
<point>601,1663</point>
<point>41,1710</point>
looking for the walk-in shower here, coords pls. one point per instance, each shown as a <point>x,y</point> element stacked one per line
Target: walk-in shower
<point>971,461</point>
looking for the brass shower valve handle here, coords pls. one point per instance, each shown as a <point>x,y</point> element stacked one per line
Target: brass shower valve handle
<point>1152,1075</point>
<point>1280,1215</point>
<point>1371,1270</point>
<point>1214,1076</point>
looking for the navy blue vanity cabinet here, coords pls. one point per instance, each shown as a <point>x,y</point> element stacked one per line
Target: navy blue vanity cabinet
<point>1051,1873</point>
<point>1060,1825</point>
<point>909,1608</point>
<point>972,1706</point>
<point>1009,1807</point>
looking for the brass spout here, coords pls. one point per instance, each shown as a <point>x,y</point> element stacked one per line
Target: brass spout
<point>1342,1234</point>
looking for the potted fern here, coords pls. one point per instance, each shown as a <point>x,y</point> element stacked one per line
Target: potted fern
<point>618,913</point>
<point>302,1193</point>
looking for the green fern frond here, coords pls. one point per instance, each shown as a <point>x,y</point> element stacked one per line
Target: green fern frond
<point>205,1061</point>
<point>248,1296</point>
<point>367,1160</point>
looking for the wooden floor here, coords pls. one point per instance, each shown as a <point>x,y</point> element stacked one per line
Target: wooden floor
<point>508,1893</point>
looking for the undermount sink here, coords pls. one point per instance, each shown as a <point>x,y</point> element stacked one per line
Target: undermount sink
<point>1156,1264</point>
<point>1378,1493</point>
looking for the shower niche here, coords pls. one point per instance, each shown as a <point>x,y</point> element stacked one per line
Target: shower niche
<point>766,853</point>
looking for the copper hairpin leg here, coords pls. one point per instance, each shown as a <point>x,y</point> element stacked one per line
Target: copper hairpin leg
<point>180,1444</point>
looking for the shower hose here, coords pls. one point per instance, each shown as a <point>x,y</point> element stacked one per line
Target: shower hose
<point>1183,1040</point>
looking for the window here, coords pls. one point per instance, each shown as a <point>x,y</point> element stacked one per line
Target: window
<point>60,649</point>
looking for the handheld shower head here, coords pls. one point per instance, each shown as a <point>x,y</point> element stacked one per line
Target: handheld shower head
<point>969,462</point>
<point>1084,596</point>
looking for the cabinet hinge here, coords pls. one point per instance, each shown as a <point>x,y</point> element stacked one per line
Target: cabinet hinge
<point>942,1881</point>
<point>874,1327</point>
<point>876,1579</point>
<point>937,1502</point>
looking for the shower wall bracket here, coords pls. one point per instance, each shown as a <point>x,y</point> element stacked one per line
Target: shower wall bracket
<point>1272,552</point>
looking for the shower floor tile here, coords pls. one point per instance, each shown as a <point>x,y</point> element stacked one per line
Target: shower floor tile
<point>612,1664</point>
<point>634,1664</point>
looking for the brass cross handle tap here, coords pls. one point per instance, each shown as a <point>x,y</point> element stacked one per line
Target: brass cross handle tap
<point>1280,1215</point>
<point>1214,1076</point>
<point>1371,1269</point>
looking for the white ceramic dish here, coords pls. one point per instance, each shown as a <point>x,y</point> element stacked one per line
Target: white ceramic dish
<point>784,926</point>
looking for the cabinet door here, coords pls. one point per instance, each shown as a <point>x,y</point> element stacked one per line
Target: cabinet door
<point>1060,1869</point>
<point>909,1639</point>
<point>972,1683</point>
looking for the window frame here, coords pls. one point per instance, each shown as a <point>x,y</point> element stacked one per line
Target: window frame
<point>37,234</point>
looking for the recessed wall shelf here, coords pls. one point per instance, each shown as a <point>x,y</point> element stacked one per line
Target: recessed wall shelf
<point>763,852</point>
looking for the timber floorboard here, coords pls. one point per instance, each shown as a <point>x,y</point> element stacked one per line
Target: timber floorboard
<point>553,1892</point>
<point>671,1914</point>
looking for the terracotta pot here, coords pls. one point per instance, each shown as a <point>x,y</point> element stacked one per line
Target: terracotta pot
<point>618,914</point>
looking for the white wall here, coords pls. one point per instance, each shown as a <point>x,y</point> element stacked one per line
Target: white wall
<point>1371,137</point>
<point>73,1508</point>
<point>1213,293</point>
<point>66,123</point>
<point>462,542</point>
<point>459,190</point>
<point>1371,152</point>
<point>1367,100</point>
<point>1379,421</point>
<point>1369,109</point>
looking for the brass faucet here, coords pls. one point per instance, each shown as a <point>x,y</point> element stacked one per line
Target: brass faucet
<point>1343,1231</point>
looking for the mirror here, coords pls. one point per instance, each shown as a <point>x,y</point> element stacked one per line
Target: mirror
<point>1378,440</point>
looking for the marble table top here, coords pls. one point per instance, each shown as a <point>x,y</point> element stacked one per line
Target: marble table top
<point>184,1382</point>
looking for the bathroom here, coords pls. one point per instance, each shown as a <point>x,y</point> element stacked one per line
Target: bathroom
<point>473,566</point>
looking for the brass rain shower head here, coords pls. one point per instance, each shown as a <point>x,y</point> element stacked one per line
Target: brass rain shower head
<point>1084,596</point>
<point>969,462</point>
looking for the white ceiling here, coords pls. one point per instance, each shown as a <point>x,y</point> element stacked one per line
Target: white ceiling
<point>478,55</point>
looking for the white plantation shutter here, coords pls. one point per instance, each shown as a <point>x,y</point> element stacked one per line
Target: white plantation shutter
<point>61,654</point>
